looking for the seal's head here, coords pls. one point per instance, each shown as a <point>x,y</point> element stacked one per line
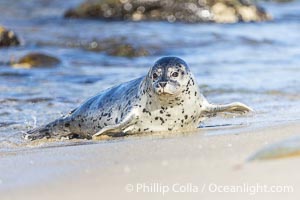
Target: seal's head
<point>169,76</point>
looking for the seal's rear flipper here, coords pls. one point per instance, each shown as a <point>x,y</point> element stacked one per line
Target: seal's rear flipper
<point>37,133</point>
<point>235,107</point>
<point>56,129</point>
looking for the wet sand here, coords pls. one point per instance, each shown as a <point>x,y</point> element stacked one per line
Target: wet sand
<point>160,166</point>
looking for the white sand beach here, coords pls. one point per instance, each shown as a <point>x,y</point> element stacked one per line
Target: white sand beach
<point>196,165</point>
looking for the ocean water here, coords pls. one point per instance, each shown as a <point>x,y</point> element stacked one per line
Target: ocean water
<point>255,63</point>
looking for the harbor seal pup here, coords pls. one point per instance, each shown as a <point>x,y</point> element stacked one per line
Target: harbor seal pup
<point>166,99</point>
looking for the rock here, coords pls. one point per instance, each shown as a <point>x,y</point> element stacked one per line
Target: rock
<point>283,149</point>
<point>223,13</point>
<point>8,38</point>
<point>32,60</point>
<point>192,11</point>
<point>279,1</point>
<point>232,13</point>
<point>127,50</point>
<point>116,47</point>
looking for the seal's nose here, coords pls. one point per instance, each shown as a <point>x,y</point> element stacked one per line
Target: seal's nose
<point>163,84</point>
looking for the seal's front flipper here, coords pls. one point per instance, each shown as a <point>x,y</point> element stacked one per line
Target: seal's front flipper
<point>235,107</point>
<point>117,128</point>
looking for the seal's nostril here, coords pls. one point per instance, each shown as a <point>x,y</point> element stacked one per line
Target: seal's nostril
<point>162,84</point>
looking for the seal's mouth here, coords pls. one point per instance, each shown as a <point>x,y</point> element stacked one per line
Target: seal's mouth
<point>165,93</point>
<point>166,89</point>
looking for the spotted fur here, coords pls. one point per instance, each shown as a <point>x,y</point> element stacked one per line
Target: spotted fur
<point>166,99</point>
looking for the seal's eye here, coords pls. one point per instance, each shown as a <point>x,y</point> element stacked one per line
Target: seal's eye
<point>175,74</point>
<point>154,76</point>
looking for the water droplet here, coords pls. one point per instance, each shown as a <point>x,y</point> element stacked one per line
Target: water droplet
<point>127,169</point>
<point>164,163</point>
<point>128,6</point>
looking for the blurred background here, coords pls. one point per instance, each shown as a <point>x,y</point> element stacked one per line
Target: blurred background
<point>54,54</point>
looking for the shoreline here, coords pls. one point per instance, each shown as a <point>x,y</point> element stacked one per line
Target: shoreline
<point>103,169</point>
